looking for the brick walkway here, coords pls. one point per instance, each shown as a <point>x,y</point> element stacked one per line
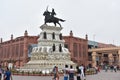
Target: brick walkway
<point>100,76</point>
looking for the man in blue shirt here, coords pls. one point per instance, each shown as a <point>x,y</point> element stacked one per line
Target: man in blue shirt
<point>1,72</point>
<point>7,75</point>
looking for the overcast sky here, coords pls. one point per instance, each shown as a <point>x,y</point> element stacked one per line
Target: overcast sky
<point>100,19</point>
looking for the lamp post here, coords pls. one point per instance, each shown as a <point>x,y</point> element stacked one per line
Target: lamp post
<point>19,53</point>
<point>19,61</point>
<point>1,52</point>
<point>94,40</point>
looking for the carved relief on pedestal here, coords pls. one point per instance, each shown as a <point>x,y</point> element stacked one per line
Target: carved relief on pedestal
<point>53,56</point>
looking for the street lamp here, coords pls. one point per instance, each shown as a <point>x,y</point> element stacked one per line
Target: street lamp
<point>19,61</point>
<point>94,40</point>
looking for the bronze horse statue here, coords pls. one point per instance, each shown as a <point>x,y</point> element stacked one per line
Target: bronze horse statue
<point>49,17</point>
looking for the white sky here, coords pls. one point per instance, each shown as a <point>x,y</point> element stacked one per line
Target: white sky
<point>93,17</point>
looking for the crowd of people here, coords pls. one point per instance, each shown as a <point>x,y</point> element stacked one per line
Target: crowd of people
<point>111,68</point>
<point>5,73</point>
<point>70,72</point>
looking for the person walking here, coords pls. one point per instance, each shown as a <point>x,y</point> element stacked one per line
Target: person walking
<point>78,73</point>
<point>111,67</point>
<point>1,72</point>
<point>96,69</point>
<point>56,73</point>
<point>115,68</point>
<point>7,74</point>
<point>65,71</point>
<point>71,73</point>
<point>81,67</point>
<point>106,68</point>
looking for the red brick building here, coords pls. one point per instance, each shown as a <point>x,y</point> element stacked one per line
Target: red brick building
<point>16,50</point>
<point>78,48</point>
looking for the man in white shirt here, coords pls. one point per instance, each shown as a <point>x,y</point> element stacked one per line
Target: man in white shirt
<point>65,71</point>
<point>81,67</point>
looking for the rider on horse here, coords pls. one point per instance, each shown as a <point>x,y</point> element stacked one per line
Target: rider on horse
<point>49,17</point>
<point>53,13</point>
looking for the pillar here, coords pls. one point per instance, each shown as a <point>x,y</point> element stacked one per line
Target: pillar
<point>11,36</point>
<point>86,37</point>
<point>94,59</point>
<point>26,33</point>
<point>25,50</point>
<point>25,47</point>
<point>110,56</point>
<point>71,33</point>
<point>1,40</point>
<point>119,57</point>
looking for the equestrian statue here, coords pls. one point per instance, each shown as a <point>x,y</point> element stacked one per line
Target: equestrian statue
<point>49,17</point>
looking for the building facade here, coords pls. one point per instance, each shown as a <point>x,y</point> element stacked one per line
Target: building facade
<point>103,53</point>
<point>15,51</point>
<point>78,48</point>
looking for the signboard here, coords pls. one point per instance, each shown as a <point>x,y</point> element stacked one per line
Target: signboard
<point>97,58</point>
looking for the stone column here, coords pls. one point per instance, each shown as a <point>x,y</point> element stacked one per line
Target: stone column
<point>119,57</point>
<point>25,50</point>
<point>110,56</point>
<point>94,59</point>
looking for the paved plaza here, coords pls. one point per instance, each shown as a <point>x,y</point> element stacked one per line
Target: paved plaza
<point>100,76</point>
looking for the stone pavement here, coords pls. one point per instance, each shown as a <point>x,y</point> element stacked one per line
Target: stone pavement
<point>104,76</point>
<point>100,76</point>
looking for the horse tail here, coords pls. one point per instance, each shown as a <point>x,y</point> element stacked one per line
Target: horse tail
<point>62,20</point>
